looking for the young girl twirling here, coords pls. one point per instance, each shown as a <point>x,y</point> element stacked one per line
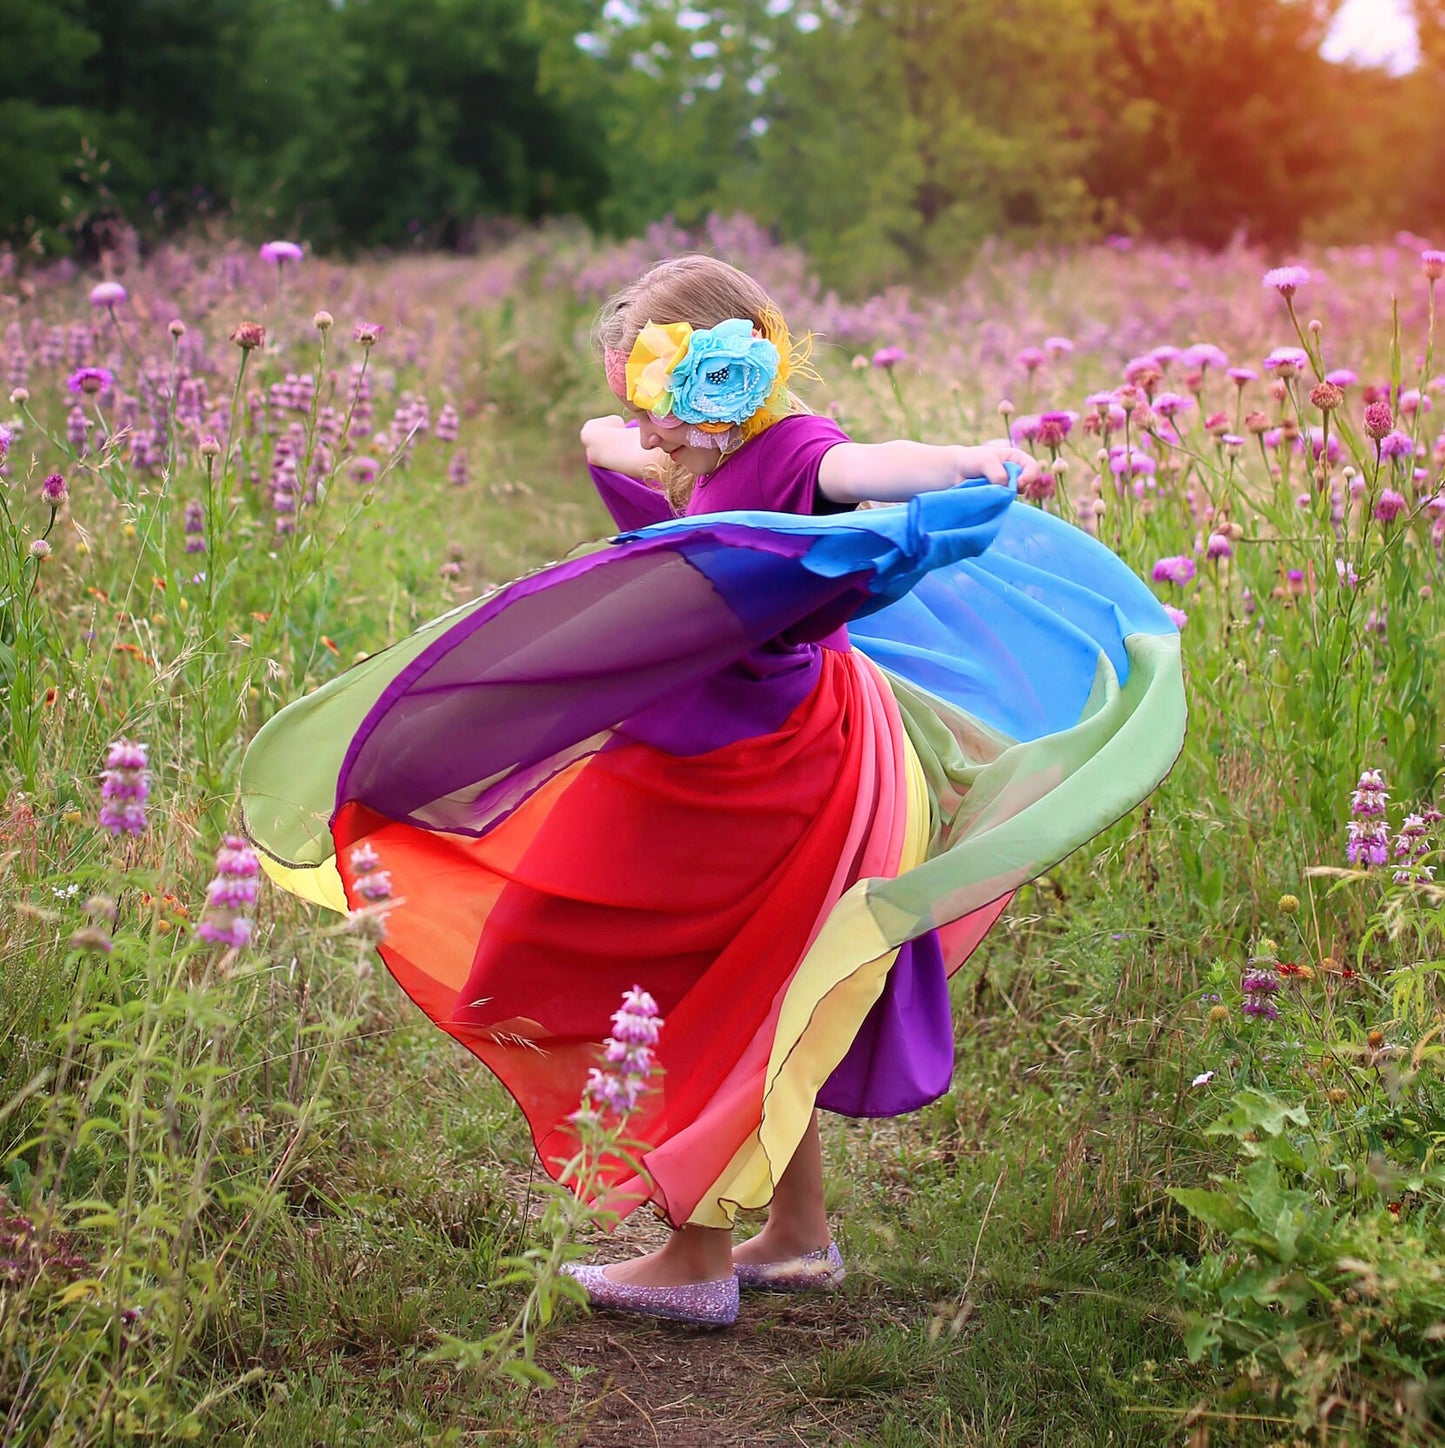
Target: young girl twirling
<point>778,761</point>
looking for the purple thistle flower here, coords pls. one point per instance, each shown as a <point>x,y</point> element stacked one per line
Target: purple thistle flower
<point>1342,377</point>
<point>280,252</point>
<point>53,490</point>
<point>1240,375</point>
<point>1057,346</point>
<point>1397,444</point>
<point>1389,505</point>
<point>107,294</point>
<point>90,380</point>
<point>1287,361</point>
<point>889,357</point>
<point>1030,359</point>
<point>1205,354</point>
<point>124,788</point>
<point>1177,616</point>
<point>1219,546</point>
<point>1287,280</point>
<point>1171,404</point>
<point>1175,569</point>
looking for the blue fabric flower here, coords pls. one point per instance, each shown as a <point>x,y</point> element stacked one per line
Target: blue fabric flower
<point>725,376</point>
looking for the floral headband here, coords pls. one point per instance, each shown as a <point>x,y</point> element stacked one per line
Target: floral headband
<point>727,382</point>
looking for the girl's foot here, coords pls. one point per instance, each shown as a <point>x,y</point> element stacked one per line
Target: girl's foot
<point>818,1271</point>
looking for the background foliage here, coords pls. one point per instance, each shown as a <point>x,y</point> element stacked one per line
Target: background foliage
<point>889,137</point>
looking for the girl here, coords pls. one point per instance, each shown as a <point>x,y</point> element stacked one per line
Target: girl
<point>668,761</point>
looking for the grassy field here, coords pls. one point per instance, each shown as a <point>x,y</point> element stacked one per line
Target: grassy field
<point>1186,1188</point>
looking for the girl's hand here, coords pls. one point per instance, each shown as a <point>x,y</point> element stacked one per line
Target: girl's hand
<point>987,461</point>
<point>611,444</point>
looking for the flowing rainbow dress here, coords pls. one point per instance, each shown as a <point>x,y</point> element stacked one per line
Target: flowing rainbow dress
<point>781,770</point>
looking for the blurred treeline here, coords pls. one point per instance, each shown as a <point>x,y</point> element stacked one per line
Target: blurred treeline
<point>889,137</point>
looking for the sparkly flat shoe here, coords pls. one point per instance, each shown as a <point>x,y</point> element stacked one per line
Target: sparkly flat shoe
<point>703,1304</point>
<point>820,1271</point>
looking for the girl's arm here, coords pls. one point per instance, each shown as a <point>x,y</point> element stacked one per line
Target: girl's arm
<point>611,443</point>
<point>891,472</point>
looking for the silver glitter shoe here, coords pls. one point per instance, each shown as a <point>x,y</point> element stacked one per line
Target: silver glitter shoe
<point>704,1304</point>
<point>820,1271</point>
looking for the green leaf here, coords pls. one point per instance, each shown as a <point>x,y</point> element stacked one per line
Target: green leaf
<point>1214,1209</point>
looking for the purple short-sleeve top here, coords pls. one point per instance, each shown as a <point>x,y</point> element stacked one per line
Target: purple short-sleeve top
<point>777,472</point>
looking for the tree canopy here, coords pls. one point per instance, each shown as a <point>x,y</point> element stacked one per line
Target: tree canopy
<point>889,137</point>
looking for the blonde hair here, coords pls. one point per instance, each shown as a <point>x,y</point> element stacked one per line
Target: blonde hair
<point>699,290</point>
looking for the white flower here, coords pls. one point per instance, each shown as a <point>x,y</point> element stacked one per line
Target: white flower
<point>1203,1078</point>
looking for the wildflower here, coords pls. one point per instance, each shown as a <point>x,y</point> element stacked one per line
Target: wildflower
<point>195,526</point>
<point>1389,505</point>
<point>176,328</point>
<point>1379,419</point>
<point>1205,354</point>
<point>1368,800</point>
<point>1171,404</point>
<point>20,396</point>
<point>1031,359</point>
<point>1367,842</point>
<point>209,446</point>
<point>367,333</point>
<point>373,885</point>
<point>629,1054</point>
<point>1432,263</point>
<point>1203,1078</point>
<point>1290,970</point>
<point>1347,575</point>
<point>1287,280</point>
<point>1286,362</point>
<point>230,895</point>
<point>1142,373</point>
<point>107,294</point>
<point>1057,346</point>
<point>1256,422</point>
<point>448,423</point>
<point>1396,444</point>
<point>124,788</point>
<point>1175,569</point>
<point>39,549</point>
<point>1177,616</point>
<point>90,380</point>
<point>1241,375</point>
<point>249,335</point>
<point>1217,1014</point>
<point>278,253</point>
<point>1288,904</point>
<point>888,357</point>
<point>92,937</point>
<point>54,491</point>
<point>1327,396</point>
<point>323,321</point>
<point>1219,546</point>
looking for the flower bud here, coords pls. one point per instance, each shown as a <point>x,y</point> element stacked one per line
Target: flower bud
<point>20,396</point>
<point>1288,904</point>
<point>322,321</point>
<point>1326,396</point>
<point>177,328</point>
<point>248,336</point>
<point>209,447</point>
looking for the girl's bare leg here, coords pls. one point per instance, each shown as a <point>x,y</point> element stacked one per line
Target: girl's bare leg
<point>797,1222</point>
